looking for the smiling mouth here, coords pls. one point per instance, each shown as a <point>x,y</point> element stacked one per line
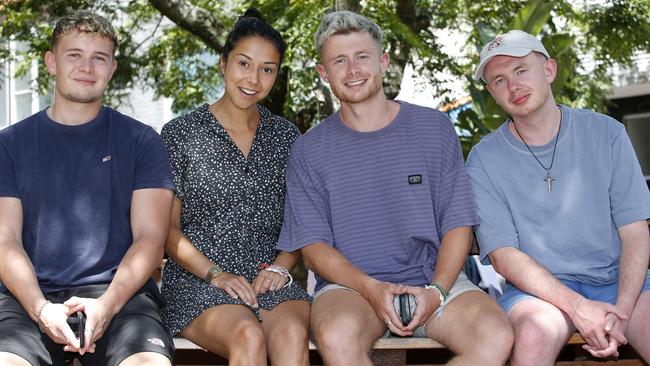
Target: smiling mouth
<point>355,83</point>
<point>520,99</point>
<point>248,91</point>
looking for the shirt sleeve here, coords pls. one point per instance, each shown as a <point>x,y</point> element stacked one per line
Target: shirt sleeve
<point>456,201</point>
<point>628,191</point>
<point>152,162</point>
<point>8,183</point>
<point>306,210</point>
<point>172,138</point>
<point>496,227</point>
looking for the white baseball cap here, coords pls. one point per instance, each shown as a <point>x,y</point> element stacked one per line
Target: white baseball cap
<point>515,43</point>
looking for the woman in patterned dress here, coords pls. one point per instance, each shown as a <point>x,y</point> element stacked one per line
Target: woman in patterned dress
<point>229,160</point>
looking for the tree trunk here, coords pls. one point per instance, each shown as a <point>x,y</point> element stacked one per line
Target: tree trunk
<point>193,19</point>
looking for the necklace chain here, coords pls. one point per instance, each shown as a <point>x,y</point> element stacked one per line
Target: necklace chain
<point>554,145</point>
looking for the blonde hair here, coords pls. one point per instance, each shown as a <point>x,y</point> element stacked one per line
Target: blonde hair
<point>83,21</point>
<point>345,22</point>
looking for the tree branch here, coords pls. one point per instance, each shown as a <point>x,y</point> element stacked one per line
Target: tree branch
<point>193,19</point>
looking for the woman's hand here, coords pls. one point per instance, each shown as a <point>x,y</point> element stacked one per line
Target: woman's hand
<point>237,287</point>
<point>268,281</point>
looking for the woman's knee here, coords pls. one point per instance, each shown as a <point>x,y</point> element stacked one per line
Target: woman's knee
<point>247,336</point>
<point>290,331</point>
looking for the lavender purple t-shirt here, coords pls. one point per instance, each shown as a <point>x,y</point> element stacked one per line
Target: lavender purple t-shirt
<point>383,199</point>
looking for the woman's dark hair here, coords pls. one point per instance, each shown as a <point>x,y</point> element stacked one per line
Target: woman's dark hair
<point>252,24</point>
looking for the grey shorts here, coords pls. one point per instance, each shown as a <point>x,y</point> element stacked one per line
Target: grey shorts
<point>462,285</point>
<point>136,328</point>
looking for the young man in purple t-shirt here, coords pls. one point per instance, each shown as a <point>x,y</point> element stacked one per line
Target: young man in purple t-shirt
<point>379,203</point>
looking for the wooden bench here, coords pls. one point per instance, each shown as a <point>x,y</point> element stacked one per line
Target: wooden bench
<point>386,351</point>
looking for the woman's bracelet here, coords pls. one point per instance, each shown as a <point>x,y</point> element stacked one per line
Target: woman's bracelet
<point>279,269</point>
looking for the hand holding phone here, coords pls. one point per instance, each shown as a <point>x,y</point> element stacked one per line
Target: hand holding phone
<point>405,307</point>
<point>77,322</point>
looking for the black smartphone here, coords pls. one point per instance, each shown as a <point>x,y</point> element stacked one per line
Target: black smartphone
<point>77,322</point>
<point>405,311</point>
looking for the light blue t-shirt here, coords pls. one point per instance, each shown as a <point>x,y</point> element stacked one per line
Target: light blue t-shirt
<point>383,199</point>
<point>572,230</point>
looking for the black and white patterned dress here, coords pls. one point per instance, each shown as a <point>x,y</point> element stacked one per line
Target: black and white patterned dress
<point>232,208</point>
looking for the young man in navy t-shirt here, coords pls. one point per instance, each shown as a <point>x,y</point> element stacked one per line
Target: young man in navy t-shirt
<point>85,200</point>
<point>379,203</point>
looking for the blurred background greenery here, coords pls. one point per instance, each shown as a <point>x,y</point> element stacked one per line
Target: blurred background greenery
<point>172,47</point>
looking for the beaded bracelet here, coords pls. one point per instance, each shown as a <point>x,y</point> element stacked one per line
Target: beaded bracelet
<point>279,269</point>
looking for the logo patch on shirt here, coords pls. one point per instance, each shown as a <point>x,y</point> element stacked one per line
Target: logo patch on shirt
<point>106,158</point>
<point>157,342</point>
<point>415,179</point>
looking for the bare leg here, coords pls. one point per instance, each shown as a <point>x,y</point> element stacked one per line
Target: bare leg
<point>475,328</point>
<point>286,330</point>
<point>345,327</point>
<point>541,330</point>
<point>231,331</point>
<point>11,359</point>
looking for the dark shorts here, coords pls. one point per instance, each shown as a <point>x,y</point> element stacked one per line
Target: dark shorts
<point>136,328</point>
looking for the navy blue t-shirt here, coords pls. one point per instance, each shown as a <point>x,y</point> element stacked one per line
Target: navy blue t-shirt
<point>75,184</point>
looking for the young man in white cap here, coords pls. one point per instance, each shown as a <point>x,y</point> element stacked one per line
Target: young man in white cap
<point>563,207</point>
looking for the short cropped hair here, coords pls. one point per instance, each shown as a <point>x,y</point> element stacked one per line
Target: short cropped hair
<point>345,22</point>
<point>84,21</point>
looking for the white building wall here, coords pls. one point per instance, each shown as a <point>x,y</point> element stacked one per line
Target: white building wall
<point>142,105</point>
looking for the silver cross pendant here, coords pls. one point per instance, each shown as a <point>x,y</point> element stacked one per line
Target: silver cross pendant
<point>549,181</point>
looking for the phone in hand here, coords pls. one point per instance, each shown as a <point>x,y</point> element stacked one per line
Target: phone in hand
<point>405,307</point>
<point>77,322</point>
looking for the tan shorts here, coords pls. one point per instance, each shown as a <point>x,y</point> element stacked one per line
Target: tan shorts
<point>462,285</point>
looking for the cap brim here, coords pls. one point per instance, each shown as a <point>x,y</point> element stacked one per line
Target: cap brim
<point>505,51</point>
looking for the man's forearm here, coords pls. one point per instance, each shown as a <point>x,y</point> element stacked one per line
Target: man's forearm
<point>635,250</point>
<point>17,274</point>
<point>150,219</point>
<point>452,255</point>
<point>16,269</point>
<point>331,265</point>
<point>287,259</point>
<point>133,272</point>
<point>527,275</point>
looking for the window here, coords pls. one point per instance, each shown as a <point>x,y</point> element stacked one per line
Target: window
<point>19,97</point>
<point>638,127</point>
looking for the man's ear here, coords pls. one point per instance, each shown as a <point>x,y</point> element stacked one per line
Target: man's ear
<point>550,70</point>
<point>322,72</point>
<point>384,61</point>
<point>50,62</point>
<point>113,67</point>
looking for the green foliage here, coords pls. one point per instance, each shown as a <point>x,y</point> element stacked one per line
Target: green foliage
<point>177,63</point>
